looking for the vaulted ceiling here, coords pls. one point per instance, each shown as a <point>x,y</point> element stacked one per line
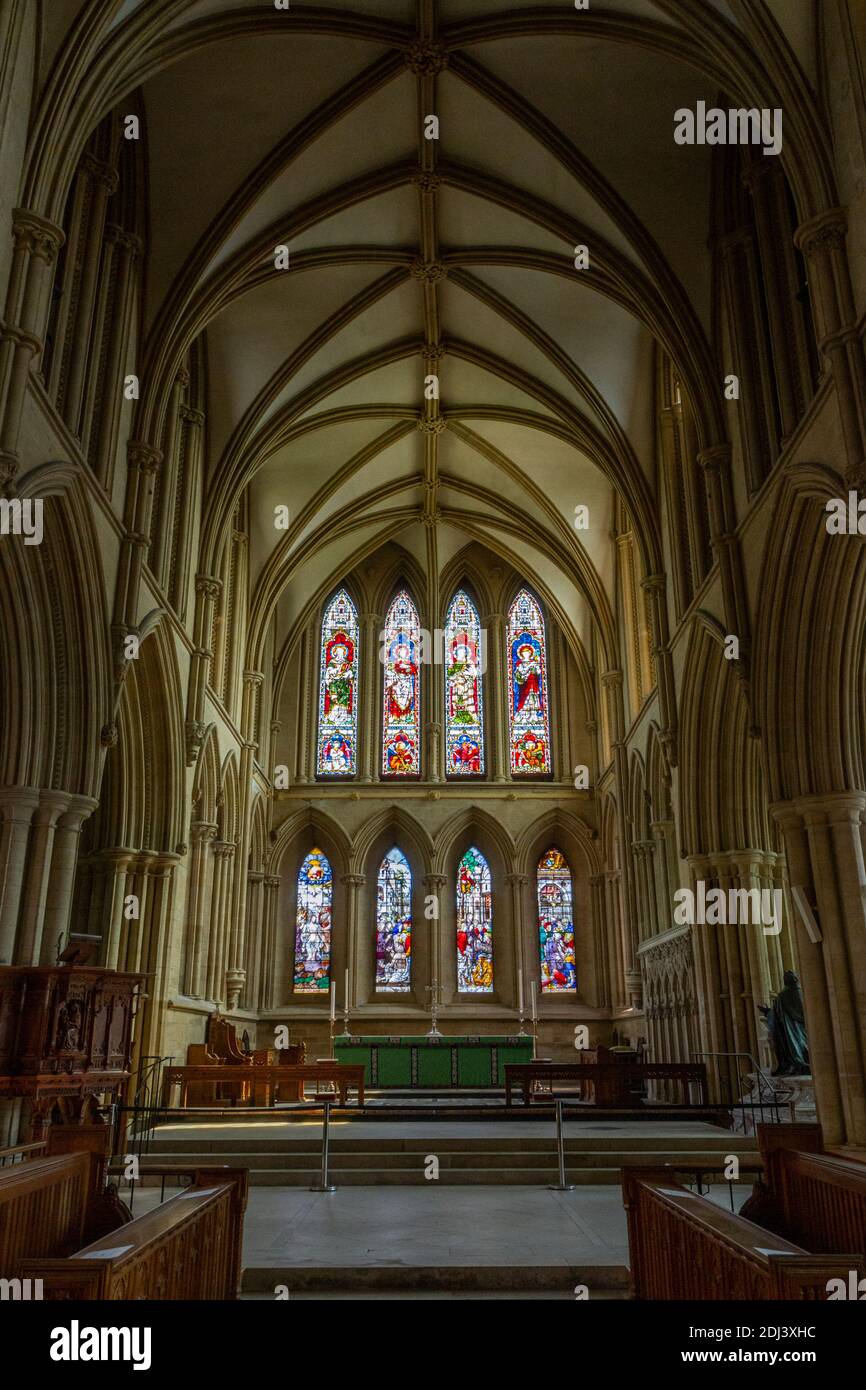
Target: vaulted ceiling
<point>410,257</point>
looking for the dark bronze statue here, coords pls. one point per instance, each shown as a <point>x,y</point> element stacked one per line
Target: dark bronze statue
<point>786,1025</point>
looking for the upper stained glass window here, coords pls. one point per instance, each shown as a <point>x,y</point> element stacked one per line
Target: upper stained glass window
<point>474,924</point>
<point>313,925</point>
<point>464,733</point>
<point>394,923</point>
<point>555,923</point>
<point>528,716</point>
<point>401,700</point>
<point>337,752</point>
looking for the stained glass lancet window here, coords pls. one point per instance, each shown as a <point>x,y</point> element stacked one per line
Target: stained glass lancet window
<point>313,925</point>
<point>464,734</point>
<point>528,716</point>
<point>474,924</point>
<point>394,923</point>
<point>555,923</point>
<point>401,700</point>
<point>337,753</point>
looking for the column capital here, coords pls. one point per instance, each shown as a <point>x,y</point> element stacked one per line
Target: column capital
<point>824,808</point>
<point>714,458</point>
<point>142,456</point>
<point>611,680</point>
<point>517,880</point>
<point>272,880</point>
<point>36,234</point>
<point>354,880</point>
<point>436,881</point>
<point>253,678</point>
<point>826,232</point>
<point>224,849</point>
<point>654,583</point>
<point>208,585</point>
<point>18,804</point>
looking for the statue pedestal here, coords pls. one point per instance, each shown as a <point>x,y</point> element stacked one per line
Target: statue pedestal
<point>794,1096</point>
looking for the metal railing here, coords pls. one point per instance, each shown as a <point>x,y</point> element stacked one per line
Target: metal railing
<point>770,1098</point>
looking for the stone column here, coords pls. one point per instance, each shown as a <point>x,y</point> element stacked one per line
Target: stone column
<point>369,678</point>
<point>766,183</point>
<point>600,951</point>
<point>255,901</point>
<point>193,420</point>
<point>822,241</point>
<point>353,883</point>
<point>223,853</point>
<point>655,587</point>
<point>530,966</point>
<point>17,806</point>
<point>36,245</point>
<point>612,684</point>
<point>207,591</point>
<point>823,840</point>
<point>440,967</point>
<point>269,973</point>
<point>67,834</point>
<point>29,942</point>
<point>103,183</point>
<point>115,870</point>
<point>202,834</point>
<point>495,698</point>
<point>127,249</point>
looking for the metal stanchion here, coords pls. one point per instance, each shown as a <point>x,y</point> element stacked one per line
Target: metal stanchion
<point>562,1185</point>
<point>324,1185</point>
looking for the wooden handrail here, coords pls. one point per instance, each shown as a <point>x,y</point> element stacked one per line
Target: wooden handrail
<point>187,1248</point>
<point>23,1152</point>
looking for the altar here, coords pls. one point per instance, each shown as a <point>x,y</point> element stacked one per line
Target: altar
<point>424,1062</point>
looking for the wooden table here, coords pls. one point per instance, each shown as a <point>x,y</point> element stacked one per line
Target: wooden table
<point>258,1085</point>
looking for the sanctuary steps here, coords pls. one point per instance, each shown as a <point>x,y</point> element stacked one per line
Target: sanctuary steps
<point>503,1153</point>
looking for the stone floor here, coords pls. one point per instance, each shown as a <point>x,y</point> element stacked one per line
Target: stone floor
<point>483,1241</point>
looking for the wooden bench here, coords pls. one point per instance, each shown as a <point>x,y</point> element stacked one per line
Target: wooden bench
<point>815,1198</point>
<point>610,1082</point>
<point>43,1208</point>
<point>187,1248</point>
<point>682,1246</point>
<point>342,1075</point>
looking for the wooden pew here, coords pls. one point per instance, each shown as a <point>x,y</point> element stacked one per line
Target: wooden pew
<point>43,1208</point>
<point>682,1246</point>
<point>815,1198</point>
<point>342,1075</point>
<point>611,1082</point>
<point>187,1248</point>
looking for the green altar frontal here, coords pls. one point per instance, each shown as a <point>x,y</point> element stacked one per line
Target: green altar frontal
<point>424,1062</point>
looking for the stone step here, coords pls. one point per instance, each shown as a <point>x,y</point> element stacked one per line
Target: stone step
<point>180,1145</point>
<point>464,1159</point>
<point>602,1281</point>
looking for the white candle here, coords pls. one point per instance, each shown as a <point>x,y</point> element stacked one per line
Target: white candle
<point>534,1006</point>
<point>519,990</point>
<point>333,1001</point>
<point>347,990</point>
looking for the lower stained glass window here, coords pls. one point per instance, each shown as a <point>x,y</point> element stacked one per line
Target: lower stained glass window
<point>555,924</point>
<point>474,925</point>
<point>313,925</point>
<point>394,924</point>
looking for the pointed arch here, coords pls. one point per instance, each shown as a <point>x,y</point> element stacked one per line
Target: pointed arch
<point>474,924</point>
<point>337,743</point>
<point>528,711</point>
<point>555,898</point>
<point>394,924</point>
<point>312,973</point>
<point>205,786</point>
<point>401,689</point>
<point>464,665</point>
